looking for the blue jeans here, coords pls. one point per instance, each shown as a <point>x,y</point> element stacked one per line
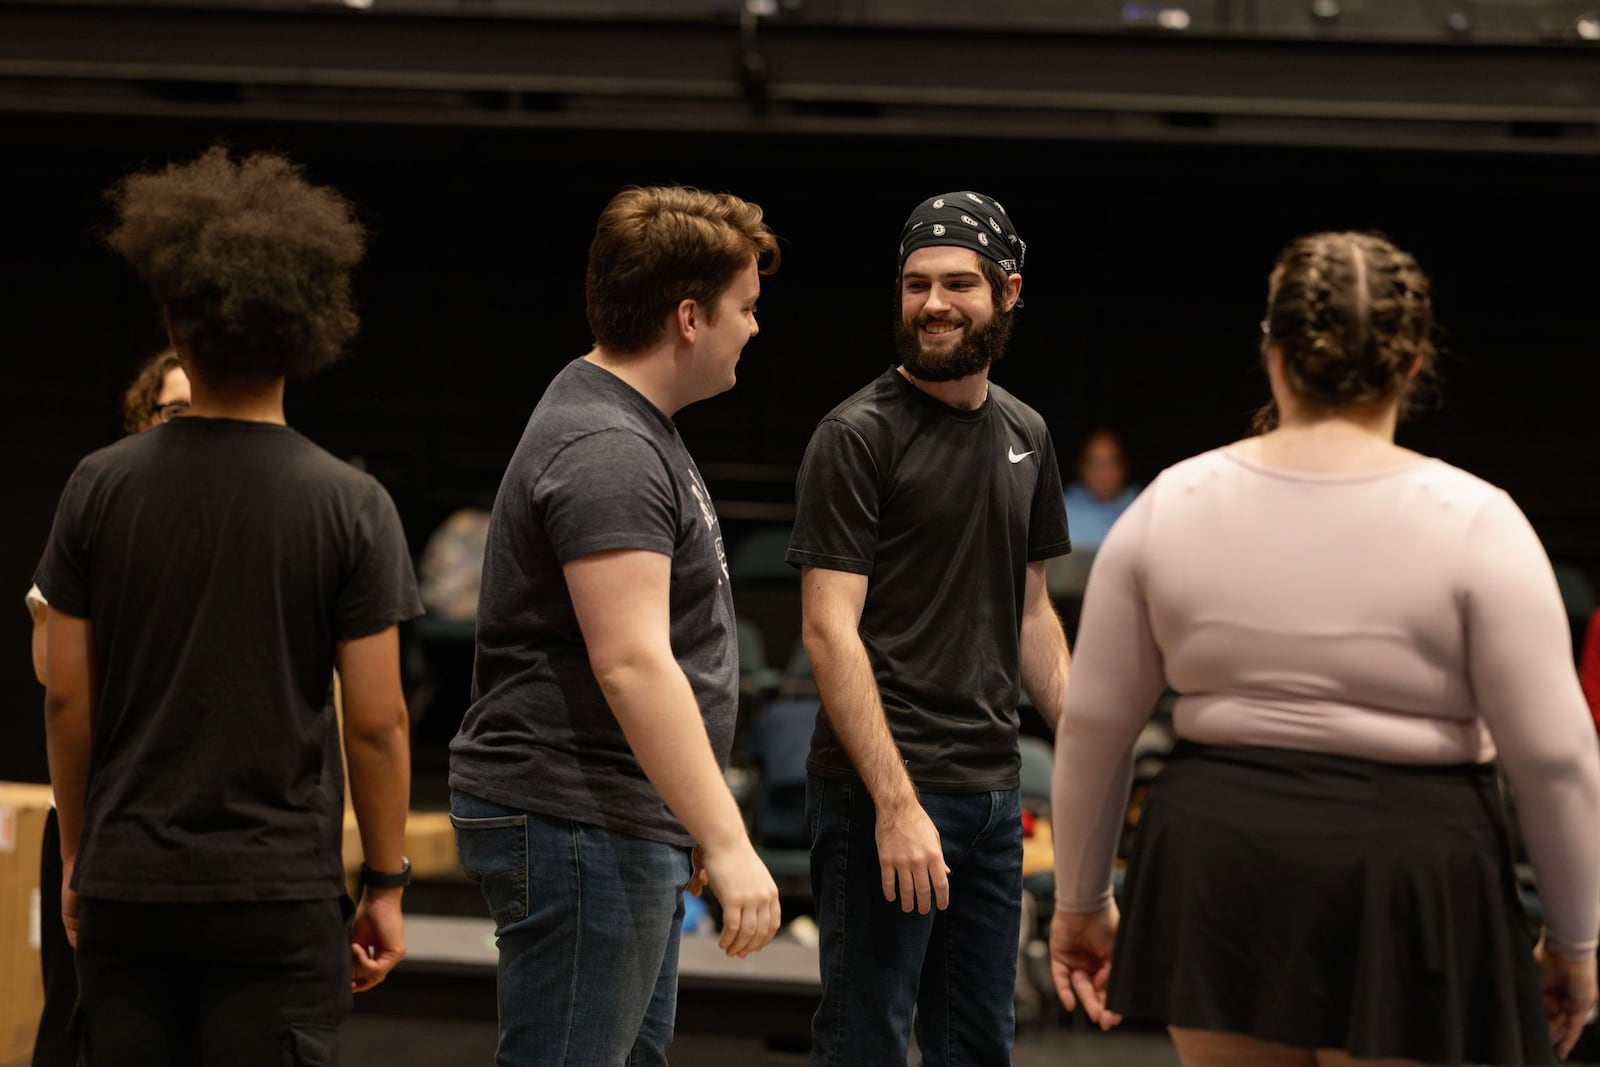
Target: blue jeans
<point>587,924</point>
<point>957,968</point>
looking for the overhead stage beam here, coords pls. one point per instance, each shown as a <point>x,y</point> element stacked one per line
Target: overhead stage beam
<point>461,67</point>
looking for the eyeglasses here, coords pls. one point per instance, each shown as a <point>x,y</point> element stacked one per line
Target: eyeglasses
<point>169,411</point>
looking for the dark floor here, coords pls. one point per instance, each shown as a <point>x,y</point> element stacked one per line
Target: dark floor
<point>386,1041</point>
<point>380,1040</point>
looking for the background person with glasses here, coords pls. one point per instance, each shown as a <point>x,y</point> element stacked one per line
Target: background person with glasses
<point>159,392</point>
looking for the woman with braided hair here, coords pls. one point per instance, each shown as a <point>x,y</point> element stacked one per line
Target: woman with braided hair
<point>1359,634</point>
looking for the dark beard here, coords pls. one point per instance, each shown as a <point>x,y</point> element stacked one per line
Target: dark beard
<point>981,347</point>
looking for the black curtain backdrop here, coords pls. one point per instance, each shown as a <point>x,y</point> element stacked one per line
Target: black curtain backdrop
<point>1144,284</point>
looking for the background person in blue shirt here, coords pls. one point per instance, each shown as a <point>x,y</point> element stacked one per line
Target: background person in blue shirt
<point>1101,492</point>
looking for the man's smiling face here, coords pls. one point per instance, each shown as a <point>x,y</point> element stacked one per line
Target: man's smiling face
<point>950,322</point>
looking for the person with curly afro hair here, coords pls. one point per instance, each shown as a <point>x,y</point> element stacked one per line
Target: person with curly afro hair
<point>204,581</point>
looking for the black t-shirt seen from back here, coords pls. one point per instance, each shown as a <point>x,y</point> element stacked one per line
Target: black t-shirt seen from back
<point>219,563</point>
<point>942,509</point>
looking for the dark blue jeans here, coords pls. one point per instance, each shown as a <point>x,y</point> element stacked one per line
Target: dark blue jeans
<point>957,968</point>
<point>587,924</point>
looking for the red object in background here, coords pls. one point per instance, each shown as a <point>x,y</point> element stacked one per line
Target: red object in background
<point>1589,666</point>
<point>1027,823</point>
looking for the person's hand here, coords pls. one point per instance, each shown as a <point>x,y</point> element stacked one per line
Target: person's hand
<point>1569,994</point>
<point>911,858</point>
<point>746,892</point>
<point>1080,960</point>
<point>699,880</point>
<point>69,901</point>
<point>377,938</point>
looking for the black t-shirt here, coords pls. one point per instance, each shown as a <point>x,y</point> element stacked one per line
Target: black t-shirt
<point>942,509</point>
<point>598,467</point>
<point>218,562</point>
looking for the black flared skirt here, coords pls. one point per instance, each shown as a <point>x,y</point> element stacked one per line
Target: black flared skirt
<point>1326,902</point>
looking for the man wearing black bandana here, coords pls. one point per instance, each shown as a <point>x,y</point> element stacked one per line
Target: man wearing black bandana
<point>928,504</point>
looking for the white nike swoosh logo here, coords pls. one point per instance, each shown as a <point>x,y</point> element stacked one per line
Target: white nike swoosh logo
<point>1011,454</point>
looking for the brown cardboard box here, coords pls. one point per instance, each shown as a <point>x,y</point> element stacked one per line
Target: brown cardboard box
<point>22,813</point>
<point>352,844</point>
<point>430,844</point>
<point>430,839</point>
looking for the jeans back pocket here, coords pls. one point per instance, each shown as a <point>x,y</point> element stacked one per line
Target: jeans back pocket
<point>494,854</point>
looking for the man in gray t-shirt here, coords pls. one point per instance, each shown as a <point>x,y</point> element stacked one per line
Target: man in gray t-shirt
<point>586,781</point>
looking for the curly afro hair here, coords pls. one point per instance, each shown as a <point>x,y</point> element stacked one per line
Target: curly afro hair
<point>250,260</point>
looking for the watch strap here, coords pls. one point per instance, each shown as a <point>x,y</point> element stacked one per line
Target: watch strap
<point>387,879</point>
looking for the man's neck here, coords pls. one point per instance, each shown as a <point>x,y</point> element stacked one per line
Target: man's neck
<point>244,401</point>
<point>651,374</point>
<point>963,394</point>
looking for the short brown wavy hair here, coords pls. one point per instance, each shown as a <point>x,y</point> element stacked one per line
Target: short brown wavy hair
<point>656,246</point>
<point>250,260</point>
<point>139,402</point>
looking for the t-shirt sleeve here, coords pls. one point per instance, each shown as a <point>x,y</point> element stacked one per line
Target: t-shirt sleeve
<point>1117,674</point>
<point>1519,661</point>
<point>380,587</point>
<point>836,502</point>
<point>62,576</point>
<point>607,490</point>
<point>1047,525</point>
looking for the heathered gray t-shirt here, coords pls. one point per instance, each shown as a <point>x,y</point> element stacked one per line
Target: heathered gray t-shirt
<point>599,467</point>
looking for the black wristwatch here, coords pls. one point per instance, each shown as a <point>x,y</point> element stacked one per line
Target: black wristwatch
<point>387,879</point>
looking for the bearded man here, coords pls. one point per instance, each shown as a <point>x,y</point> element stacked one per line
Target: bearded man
<point>928,504</point>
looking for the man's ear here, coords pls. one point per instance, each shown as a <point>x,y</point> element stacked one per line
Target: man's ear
<point>685,320</point>
<point>1013,291</point>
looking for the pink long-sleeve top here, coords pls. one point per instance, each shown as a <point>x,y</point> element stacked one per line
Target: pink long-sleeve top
<point>1405,616</point>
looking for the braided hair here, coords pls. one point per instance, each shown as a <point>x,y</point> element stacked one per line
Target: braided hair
<point>1353,316</point>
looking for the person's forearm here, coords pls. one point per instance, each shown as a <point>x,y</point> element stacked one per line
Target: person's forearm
<point>380,790</point>
<point>656,708</point>
<point>1088,796</point>
<point>849,692</point>
<point>1045,661</point>
<point>1556,787</point>
<point>67,740</point>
